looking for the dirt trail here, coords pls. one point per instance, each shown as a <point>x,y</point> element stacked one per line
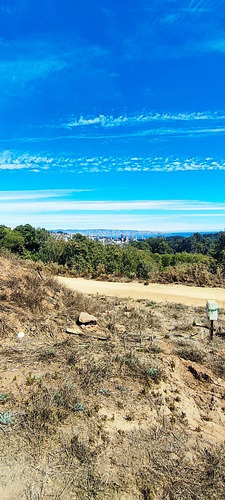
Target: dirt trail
<point>188,295</point>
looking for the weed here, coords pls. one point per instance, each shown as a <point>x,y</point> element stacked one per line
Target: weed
<point>105,392</point>
<point>79,407</point>
<point>4,397</point>
<point>43,413</point>
<point>156,349</point>
<point>121,388</point>
<point>30,293</point>
<point>79,450</point>
<point>192,354</point>
<point>46,355</point>
<point>30,379</point>
<point>155,374</point>
<point>65,397</point>
<point>6,418</point>
<point>58,397</point>
<point>151,303</point>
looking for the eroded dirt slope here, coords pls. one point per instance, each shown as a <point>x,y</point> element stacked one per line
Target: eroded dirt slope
<point>130,408</point>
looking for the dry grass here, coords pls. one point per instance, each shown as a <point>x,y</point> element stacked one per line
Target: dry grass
<point>190,274</point>
<point>123,419</point>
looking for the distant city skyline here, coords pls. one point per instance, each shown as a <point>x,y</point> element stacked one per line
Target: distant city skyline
<point>112,114</point>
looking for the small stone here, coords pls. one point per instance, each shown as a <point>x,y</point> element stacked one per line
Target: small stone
<point>74,329</point>
<point>120,328</point>
<point>87,319</point>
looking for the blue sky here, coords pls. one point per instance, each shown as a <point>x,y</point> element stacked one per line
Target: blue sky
<point>112,114</point>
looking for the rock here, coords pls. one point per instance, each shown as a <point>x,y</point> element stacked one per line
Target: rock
<point>120,328</point>
<point>86,319</point>
<point>74,330</point>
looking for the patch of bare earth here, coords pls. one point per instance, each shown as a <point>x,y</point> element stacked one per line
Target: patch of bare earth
<point>132,407</point>
<point>171,293</point>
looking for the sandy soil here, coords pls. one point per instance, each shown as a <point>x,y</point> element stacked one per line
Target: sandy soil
<point>188,295</point>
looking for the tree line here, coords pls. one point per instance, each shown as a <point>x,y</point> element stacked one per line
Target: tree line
<point>139,259</point>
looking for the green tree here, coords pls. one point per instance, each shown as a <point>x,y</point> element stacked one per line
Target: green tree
<point>113,259</point>
<point>52,250</point>
<point>159,245</point>
<point>220,246</point>
<point>3,232</point>
<point>29,234</point>
<point>14,242</point>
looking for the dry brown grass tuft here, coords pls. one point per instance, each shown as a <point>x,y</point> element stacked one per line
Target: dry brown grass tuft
<point>192,274</point>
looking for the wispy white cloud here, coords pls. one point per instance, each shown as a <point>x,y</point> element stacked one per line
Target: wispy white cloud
<point>26,61</point>
<point>35,194</point>
<point>11,160</point>
<point>25,70</point>
<point>129,222</point>
<point>106,121</point>
<point>59,201</point>
<point>178,30</point>
<point>210,46</point>
<point>158,215</point>
<point>152,133</point>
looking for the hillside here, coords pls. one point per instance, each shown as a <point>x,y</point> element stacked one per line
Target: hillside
<point>197,260</point>
<point>132,407</point>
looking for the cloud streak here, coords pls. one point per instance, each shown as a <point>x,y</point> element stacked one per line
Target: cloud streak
<point>11,160</point>
<point>39,194</point>
<point>28,63</point>
<point>56,209</point>
<point>110,121</point>
<point>59,201</point>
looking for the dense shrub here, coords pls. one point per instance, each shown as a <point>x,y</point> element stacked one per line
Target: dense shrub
<point>197,259</point>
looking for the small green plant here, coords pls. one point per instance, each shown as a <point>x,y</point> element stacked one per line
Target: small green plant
<point>155,348</point>
<point>6,418</point>
<point>58,397</point>
<point>46,354</point>
<point>155,374</point>
<point>4,396</point>
<point>121,388</point>
<point>30,379</point>
<point>105,392</point>
<point>79,407</point>
<point>180,307</point>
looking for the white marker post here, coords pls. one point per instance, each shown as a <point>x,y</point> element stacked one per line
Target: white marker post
<point>212,314</point>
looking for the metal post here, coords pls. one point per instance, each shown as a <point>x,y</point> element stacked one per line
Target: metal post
<point>211,329</point>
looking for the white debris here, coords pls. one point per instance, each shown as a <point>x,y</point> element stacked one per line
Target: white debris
<point>20,335</point>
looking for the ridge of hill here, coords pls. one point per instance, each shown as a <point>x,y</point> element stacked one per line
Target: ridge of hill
<point>128,406</point>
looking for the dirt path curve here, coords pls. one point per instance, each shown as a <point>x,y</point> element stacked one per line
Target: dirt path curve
<point>188,295</point>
